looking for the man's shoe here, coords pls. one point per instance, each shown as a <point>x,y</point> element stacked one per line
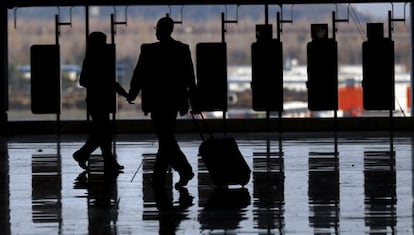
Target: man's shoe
<point>184,179</point>
<point>81,159</point>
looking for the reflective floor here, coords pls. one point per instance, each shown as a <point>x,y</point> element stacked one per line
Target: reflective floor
<point>301,183</point>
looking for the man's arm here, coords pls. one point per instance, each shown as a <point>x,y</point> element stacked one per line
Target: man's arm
<point>136,80</point>
<point>84,75</point>
<point>120,90</point>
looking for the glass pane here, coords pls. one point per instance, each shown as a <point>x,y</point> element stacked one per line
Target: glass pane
<point>203,24</point>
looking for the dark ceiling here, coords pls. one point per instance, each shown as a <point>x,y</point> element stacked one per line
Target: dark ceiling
<point>33,3</point>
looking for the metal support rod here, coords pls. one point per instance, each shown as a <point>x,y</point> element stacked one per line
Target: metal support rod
<point>266,12</point>
<point>113,32</point>
<point>278,24</point>
<point>169,14</point>
<point>87,31</point>
<point>334,38</point>
<point>391,20</point>
<point>57,34</point>
<point>223,39</point>
<point>333,26</point>
<point>390,28</point>
<point>114,22</point>
<point>283,20</point>
<point>223,28</point>
<point>280,21</point>
<point>334,20</point>
<point>278,29</point>
<point>114,113</point>
<point>57,29</point>
<point>336,132</point>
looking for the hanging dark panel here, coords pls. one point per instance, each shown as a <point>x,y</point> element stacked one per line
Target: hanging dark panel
<point>322,68</point>
<point>211,65</point>
<point>378,70</point>
<point>45,79</point>
<point>267,76</point>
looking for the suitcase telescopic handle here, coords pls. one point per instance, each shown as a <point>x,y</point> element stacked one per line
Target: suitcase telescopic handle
<point>198,126</point>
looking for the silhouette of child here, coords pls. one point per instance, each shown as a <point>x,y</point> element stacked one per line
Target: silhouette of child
<point>98,77</point>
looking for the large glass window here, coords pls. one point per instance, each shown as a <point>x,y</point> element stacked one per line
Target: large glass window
<point>29,26</point>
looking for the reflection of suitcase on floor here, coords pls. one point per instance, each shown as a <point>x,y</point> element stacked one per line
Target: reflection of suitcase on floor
<point>224,161</point>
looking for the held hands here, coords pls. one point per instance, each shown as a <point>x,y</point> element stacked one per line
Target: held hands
<point>130,99</point>
<point>121,91</point>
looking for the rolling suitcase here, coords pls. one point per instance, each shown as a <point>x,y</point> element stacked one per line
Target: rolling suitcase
<point>223,159</point>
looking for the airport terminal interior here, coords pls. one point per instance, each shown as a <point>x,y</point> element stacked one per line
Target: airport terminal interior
<point>329,145</point>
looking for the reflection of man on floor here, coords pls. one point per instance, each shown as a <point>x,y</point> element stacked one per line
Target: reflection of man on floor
<point>171,213</point>
<point>165,74</point>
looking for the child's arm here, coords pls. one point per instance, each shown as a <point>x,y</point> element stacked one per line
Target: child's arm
<point>120,90</point>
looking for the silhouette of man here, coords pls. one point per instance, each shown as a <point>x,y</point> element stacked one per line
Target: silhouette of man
<point>165,76</point>
<point>96,76</point>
